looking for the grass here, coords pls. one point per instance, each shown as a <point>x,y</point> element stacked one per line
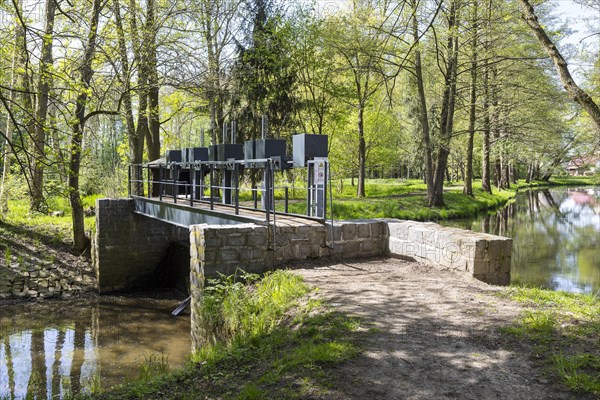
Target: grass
<point>54,229</point>
<point>406,199</point>
<point>565,331</point>
<point>268,338</point>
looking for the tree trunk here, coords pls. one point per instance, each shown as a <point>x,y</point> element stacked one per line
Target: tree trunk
<point>362,151</point>
<point>448,106</point>
<point>468,188</point>
<point>153,85</point>
<point>576,93</point>
<point>80,241</point>
<point>505,173</point>
<point>136,142</point>
<point>39,138</point>
<point>423,117</point>
<point>141,59</point>
<point>18,60</point>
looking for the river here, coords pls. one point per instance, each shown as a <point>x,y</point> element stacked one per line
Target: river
<point>57,348</point>
<point>556,237</point>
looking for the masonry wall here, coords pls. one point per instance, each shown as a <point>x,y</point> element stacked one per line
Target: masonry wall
<point>127,248</point>
<point>217,248</point>
<point>486,257</point>
<point>225,248</point>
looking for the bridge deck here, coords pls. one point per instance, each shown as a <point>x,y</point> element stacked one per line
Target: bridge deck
<point>181,212</point>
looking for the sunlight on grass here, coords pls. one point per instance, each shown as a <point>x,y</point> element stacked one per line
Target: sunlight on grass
<point>566,323</point>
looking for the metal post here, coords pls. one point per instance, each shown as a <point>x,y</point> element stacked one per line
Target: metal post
<point>175,190</point>
<point>202,177</point>
<point>210,192</point>
<point>255,197</point>
<point>193,184</point>
<point>286,199</point>
<point>267,193</point>
<point>160,182</point>
<point>149,182</point>
<point>309,189</point>
<point>325,191</point>
<point>129,180</point>
<point>226,198</point>
<point>236,193</point>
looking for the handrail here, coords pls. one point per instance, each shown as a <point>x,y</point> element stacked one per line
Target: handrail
<point>186,182</point>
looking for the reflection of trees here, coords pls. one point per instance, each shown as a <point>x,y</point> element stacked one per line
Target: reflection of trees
<point>551,238</point>
<point>30,368</point>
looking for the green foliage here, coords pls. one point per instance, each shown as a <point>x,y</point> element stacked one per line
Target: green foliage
<point>580,373</point>
<point>233,312</point>
<point>154,365</point>
<point>566,323</point>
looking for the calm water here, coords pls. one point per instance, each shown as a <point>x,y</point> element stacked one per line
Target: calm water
<point>556,235</point>
<point>53,349</point>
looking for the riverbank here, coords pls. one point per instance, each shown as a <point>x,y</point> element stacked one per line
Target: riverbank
<point>35,257</point>
<point>408,330</point>
<point>407,199</point>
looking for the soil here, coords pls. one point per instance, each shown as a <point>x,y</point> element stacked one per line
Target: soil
<point>435,334</point>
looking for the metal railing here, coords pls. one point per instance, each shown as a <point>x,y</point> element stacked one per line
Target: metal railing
<point>186,183</point>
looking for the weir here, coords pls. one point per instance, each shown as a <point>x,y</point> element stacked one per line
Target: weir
<point>129,246</point>
<point>170,203</point>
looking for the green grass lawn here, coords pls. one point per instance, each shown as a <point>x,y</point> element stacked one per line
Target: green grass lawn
<point>565,331</point>
<point>406,199</point>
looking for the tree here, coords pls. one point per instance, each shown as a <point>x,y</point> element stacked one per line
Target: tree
<point>468,188</point>
<point>43,94</point>
<point>577,94</point>
<point>362,43</point>
<point>80,241</point>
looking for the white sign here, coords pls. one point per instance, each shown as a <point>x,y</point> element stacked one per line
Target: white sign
<point>320,173</point>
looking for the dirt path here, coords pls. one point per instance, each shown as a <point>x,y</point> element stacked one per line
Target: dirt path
<point>435,335</point>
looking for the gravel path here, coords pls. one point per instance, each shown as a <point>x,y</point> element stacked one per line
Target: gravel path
<point>435,335</point>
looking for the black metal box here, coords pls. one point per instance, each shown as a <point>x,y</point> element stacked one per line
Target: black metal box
<point>308,147</point>
<point>173,156</point>
<point>197,154</point>
<point>267,148</point>
<point>250,150</point>
<point>224,152</point>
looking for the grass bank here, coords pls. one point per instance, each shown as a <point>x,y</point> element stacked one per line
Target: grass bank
<point>407,199</point>
<point>564,330</point>
<point>58,228</point>
<point>265,338</point>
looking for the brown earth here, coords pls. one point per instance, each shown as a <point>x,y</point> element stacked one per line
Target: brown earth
<point>435,334</point>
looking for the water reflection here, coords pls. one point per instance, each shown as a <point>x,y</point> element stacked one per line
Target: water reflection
<point>57,349</point>
<point>556,236</point>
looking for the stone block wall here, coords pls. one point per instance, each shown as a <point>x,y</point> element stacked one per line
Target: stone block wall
<point>486,257</point>
<point>128,247</point>
<point>225,248</point>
